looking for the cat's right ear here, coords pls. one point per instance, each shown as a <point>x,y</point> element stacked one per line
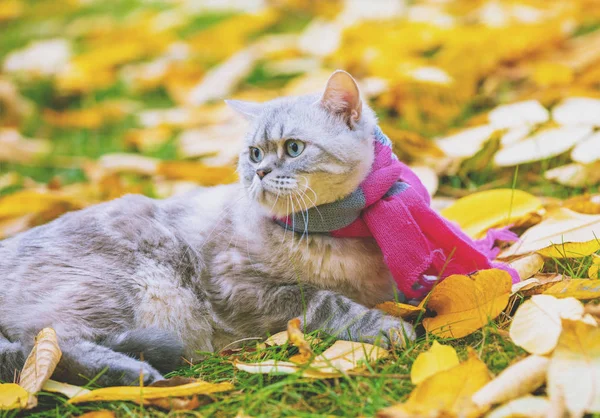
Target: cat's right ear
<point>341,97</point>
<point>250,110</point>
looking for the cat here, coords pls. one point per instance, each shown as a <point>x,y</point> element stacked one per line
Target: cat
<point>200,271</point>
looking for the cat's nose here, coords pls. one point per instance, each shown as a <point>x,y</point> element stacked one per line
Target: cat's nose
<point>262,172</point>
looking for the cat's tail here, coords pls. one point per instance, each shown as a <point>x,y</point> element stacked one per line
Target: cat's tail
<point>160,348</point>
<point>12,359</point>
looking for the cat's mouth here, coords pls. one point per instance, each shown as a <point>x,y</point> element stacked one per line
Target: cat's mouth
<point>282,196</point>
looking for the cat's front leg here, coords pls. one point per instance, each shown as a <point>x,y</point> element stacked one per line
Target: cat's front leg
<point>340,316</point>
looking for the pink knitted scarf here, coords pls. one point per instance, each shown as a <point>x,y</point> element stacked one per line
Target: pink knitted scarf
<point>392,206</point>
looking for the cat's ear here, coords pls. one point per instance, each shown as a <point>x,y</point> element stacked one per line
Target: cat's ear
<point>249,110</point>
<point>342,97</point>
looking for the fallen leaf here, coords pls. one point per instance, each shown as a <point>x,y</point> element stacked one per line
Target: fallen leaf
<point>536,284</point>
<point>479,212</point>
<point>438,358</point>
<point>131,163</point>
<point>40,364</point>
<point>445,394</point>
<point>543,145</point>
<point>529,112</point>
<point>141,394</point>
<point>201,174</point>
<point>174,403</point>
<point>428,177</point>
<point>527,266</point>
<point>536,326</point>
<point>465,143</point>
<point>98,414</point>
<point>70,391</point>
<point>15,148</point>
<point>585,203</point>
<point>25,202</point>
<point>516,380</point>
<point>527,406</point>
<point>594,270</point>
<point>296,337</point>
<point>575,175</point>
<point>577,288</point>
<point>577,111</point>
<point>564,233</point>
<point>588,151</point>
<point>339,359</point>
<point>401,310</point>
<point>464,304</point>
<point>574,372</point>
<point>12,396</point>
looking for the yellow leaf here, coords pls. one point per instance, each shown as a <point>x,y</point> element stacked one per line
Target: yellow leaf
<point>401,310</point>
<point>464,304</point>
<point>438,358</point>
<point>478,212</point>
<point>26,202</point>
<point>518,379</point>
<point>528,265</point>
<point>98,414</point>
<point>445,394</point>
<point>536,325</point>
<point>577,288</point>
<point>563,234</point>
<point>589,204</point>
<point>551,73</point>
<point>12,396</point>
<point>296,337</point>
<point>527,406</point>
<point>339,359</point>
<point>574,372</point>
<point>202,174</point>
<point>40,364</point>
<point>140,394</point>
<point>11,9</point>
<point>594,270</point>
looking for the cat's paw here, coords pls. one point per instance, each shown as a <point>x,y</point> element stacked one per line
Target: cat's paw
<point>396,332</point>
<point>130,375</point>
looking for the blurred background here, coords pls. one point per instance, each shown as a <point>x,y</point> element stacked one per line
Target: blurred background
<point>101,98</point>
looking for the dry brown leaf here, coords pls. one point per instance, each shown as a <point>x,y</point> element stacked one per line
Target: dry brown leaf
<point>574,372</point>
<point>464,304</point>
<point>40,364</point>
<point>537,284</point>
<point>518,379</point>
<point>445,394</point>
<point>585,203</point>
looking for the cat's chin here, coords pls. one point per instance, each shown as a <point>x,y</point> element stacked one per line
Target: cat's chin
<point>275,205</point>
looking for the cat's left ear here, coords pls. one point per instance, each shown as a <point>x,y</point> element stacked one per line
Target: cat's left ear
<point>249,110</point>
<point>342,97</point>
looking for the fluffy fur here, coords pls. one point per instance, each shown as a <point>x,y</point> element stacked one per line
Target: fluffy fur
<point>165,279</point>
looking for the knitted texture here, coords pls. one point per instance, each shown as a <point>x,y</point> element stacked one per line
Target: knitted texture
<point>392,206</point>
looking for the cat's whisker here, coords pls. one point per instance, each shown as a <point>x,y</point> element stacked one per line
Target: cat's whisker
<point>307,217</point>
<point>313,202</point>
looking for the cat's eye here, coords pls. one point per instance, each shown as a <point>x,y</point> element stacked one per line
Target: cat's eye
<point>293,147</point>
<point>256,154</point>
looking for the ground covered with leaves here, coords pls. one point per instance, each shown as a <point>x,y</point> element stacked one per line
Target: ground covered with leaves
<point>495,104</point>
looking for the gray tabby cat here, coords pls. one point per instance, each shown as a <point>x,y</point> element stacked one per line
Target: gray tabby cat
<point>200,271</point>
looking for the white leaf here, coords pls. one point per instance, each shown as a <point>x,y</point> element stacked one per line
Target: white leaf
<point>588,151</point>
<point>545,144</point>
<point>578,111</point>
<point>465,143</point>
<point>513,115</point>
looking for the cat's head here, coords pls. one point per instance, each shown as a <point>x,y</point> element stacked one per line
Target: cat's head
<point>307,150</point>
